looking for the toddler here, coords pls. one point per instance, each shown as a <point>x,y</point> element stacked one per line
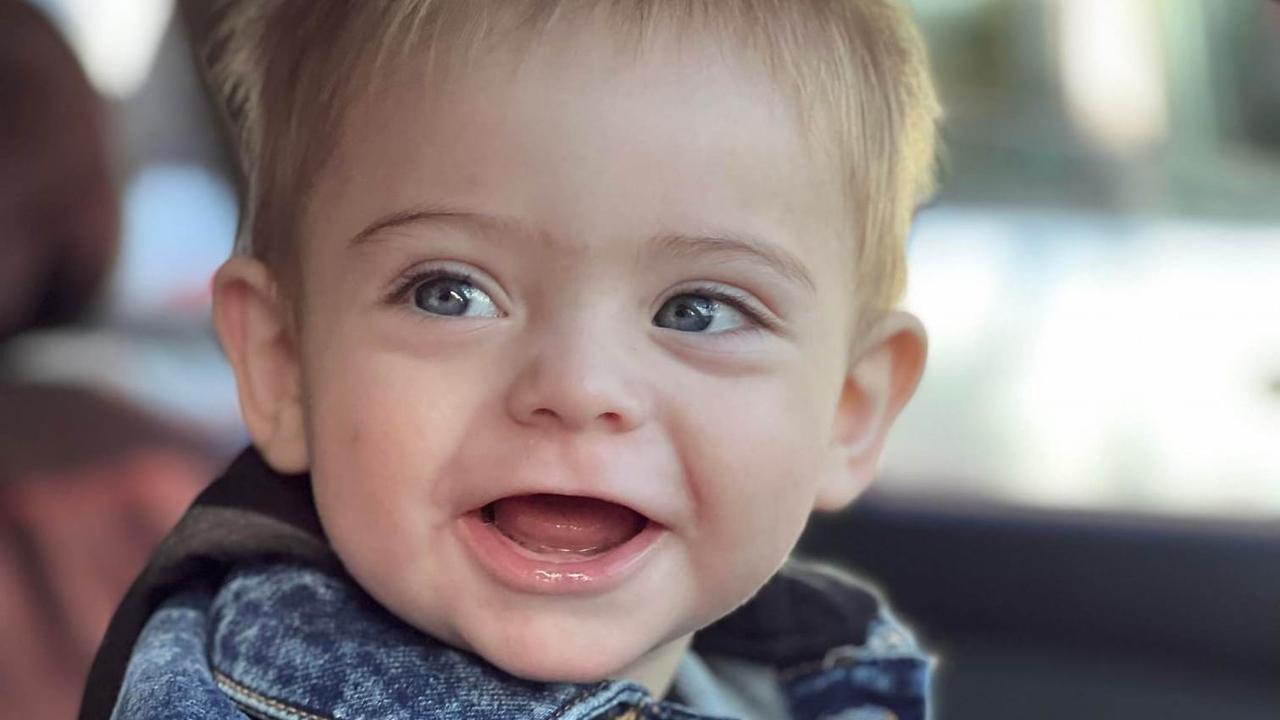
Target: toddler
<point>552,322</point>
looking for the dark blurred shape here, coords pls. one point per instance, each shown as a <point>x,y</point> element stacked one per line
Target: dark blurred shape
<point>59,211</point>
<point>1050,615</point>
<point>88,482</point>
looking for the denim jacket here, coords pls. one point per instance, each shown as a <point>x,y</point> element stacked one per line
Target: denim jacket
<point>244,612</point>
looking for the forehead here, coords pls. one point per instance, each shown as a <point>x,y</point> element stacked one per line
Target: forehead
<point>592,141</point>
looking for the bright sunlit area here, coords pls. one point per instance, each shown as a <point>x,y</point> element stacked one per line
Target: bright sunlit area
<point>1090,361</point>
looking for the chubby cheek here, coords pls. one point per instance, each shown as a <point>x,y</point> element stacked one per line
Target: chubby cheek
<point>380,429</point>
<point>755,469</point>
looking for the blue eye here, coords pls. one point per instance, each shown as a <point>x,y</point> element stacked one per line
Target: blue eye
<point>699,314</point>
<point>453,297</point>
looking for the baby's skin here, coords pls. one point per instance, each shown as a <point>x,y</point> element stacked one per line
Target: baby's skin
<point>575,355</point>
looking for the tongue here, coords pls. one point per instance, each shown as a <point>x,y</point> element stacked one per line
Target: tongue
<point>560,523</point>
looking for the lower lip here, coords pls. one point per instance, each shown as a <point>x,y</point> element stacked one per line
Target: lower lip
<point>523,570</point>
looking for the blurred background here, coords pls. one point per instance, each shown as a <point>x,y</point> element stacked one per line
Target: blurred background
<point>1080,510</point>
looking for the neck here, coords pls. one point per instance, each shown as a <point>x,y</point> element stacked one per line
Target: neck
<point>657,669</point>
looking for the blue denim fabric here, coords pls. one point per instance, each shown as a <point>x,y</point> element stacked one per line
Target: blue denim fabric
<point>888,675</point>
<point>293,643</point>
<point>168,675</point>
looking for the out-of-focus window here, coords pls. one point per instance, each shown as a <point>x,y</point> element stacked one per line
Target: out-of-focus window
<point>1100,273</point>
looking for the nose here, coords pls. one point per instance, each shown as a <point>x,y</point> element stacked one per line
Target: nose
<point>581,383</point>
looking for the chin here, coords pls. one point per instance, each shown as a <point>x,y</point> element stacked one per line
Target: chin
<point>543,667</point>
<point>563,649</point>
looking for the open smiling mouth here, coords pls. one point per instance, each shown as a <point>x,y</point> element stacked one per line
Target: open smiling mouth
<point>560,544</point>
<point>563,527</point>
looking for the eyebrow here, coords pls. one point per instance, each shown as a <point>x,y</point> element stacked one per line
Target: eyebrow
<point>438,215</point>
<point>728,247</point>
<point>733,247</point>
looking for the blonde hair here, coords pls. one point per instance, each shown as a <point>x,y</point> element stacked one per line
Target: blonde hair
<point>286,70</point>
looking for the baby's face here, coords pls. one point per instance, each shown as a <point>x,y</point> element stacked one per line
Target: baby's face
<point>573,343</point>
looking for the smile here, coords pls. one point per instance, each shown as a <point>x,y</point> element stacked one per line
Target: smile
<point>563,526</point>
<point>559,544</point>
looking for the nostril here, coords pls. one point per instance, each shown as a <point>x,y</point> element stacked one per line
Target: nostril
<point>610,419</point>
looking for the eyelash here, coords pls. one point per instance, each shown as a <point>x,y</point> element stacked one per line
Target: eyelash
<point>758,319</point>
<point>400,292</point>
<point>411,280</point>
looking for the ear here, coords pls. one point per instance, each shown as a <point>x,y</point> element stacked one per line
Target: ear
<point>253,325</point>
<point>880,381</point>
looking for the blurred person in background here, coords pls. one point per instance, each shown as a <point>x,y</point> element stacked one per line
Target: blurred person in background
<point>88,482</point>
